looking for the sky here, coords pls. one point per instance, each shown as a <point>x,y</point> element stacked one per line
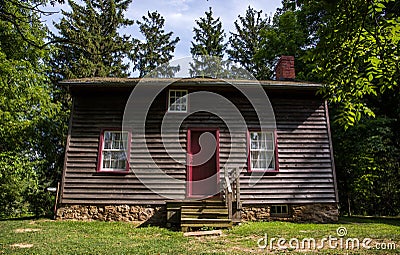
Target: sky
<point>180,16</point>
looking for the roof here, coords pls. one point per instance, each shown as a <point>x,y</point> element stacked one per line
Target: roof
<point>101,82</point>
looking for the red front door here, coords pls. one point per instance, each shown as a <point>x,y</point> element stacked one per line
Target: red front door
<point>203,150</point>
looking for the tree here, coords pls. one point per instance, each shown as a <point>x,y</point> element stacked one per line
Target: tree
<point>367,162</point>
<point>208,47</point>
<point>354,51</point>
<point>89,42</point>
<point>208,37</point>
<point>156,50</point>
<point>20,11</point>
<point>285,36</point>
<point>246,42</point>
<point>357,55</point>
<point>28,112</point>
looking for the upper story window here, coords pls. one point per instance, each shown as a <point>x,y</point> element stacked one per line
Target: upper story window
<point>114,151</point>
<point>177,100</point>
<point>262,151</point>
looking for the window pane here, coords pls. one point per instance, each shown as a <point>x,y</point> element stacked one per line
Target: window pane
<point>262,150</point>
<point>114,150</point>
<point>177,100</point>
<point>113,165</point>
<point>106,159</point>
<point>107,140</point>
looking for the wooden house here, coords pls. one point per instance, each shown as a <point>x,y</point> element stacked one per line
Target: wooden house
<point>142,173</point>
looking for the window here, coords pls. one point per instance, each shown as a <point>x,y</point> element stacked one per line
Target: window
<point>114,151</point>
<point>262,151</point>
<point>279,210</point>
<point>177,100</point>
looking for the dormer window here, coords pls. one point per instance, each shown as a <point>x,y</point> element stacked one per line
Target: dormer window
<point>177,100</point>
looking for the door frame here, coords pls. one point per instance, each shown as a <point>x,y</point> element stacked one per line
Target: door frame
<point>189,173</point>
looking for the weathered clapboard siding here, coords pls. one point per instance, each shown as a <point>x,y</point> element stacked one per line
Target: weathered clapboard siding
<point>305,162</point>
<point>305,167</point>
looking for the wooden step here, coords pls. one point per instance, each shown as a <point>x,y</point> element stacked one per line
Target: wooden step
<point>199,213</point>
<point>204,213</point>
<point>203,208</point>
<point>179,203</point>
<point>204,216</point>
<point>198,223</point>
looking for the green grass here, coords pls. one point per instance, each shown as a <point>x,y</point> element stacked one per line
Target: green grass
<point>73,237</point>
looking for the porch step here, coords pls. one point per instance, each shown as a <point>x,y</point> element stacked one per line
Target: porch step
<point>204,212</point>
<point>198,223</point>
<point>206,202</point>
<point>197,214</point>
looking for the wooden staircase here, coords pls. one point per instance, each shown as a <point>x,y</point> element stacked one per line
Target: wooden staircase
<point>205,214</point>
<point>210,213</point>
<point>192,214</point>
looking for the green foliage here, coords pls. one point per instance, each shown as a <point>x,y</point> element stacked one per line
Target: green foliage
<point>208,47</point>
<point>353,48</point>
<point>156,50</point>
<point>367,163</point>
<point>31,123</point>
<point>89,44</point>
<point>285,36</point>
<point>208,37</point>
<point>17,181</point>
<point>245,43</point>
<point>358,55</point>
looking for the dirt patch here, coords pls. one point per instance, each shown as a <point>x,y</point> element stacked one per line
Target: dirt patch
<point>24,230</point>
<point>22,245</point>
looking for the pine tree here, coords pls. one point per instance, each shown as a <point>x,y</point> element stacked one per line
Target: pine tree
<point>89,42</point>
<point>208,37</point>
<point>245,43</point>
<point>156,51</point>
<point>208,47</point>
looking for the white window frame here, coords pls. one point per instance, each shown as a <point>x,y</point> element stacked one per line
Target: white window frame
<point>268,148</point>
<point>177,101</point>
<point>125,143</point>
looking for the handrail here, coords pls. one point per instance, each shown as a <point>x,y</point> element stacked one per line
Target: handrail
<point>228,184</point>
<point>232,194</point>
<point>228,194</point>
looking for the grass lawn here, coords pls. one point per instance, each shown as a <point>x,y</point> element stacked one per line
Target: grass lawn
<point>44,236</point>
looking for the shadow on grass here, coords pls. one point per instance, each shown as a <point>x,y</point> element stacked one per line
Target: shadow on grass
<point>395,221</point>
<point>28,217</point>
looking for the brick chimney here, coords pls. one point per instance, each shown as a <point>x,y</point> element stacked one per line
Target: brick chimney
<point>285,68</point>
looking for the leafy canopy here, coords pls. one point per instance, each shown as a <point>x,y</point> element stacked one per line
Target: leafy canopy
<point>285,36</point>
<point>28,113</point>
<point>358,55</point>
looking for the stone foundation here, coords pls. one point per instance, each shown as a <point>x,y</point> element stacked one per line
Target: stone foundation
<point>157,215</point>
<point>154,215</point>
<point>256,213</point>
<point>318,213</point>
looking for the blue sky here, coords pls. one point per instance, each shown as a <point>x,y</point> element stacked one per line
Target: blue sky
<point>180,16</point>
